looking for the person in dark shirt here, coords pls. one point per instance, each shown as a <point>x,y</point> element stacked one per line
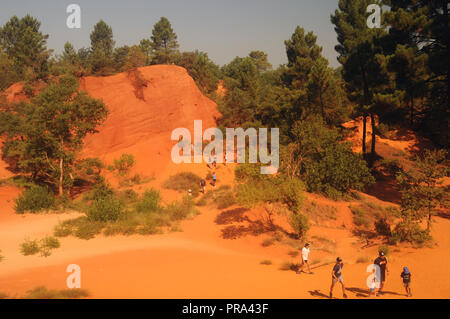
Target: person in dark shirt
<point>406,276</point>
<point>336,275</point>
<point>203,185</point>
<point>381,261</point>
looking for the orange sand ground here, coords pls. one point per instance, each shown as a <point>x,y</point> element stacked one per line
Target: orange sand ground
<point>197,262</point>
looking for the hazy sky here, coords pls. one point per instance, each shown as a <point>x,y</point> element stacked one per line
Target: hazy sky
<point>224,29</point>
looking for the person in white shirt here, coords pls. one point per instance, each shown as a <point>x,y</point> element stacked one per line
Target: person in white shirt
<point>305,256</point>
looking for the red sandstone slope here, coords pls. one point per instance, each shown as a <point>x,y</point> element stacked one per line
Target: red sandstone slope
<point>171,99</point>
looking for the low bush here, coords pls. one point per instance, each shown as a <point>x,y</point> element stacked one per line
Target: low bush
<point>29,247</point>
<point>128,196</point>
<point>100,190</point>
<point>179,210</point>
<point>299,224</point>
<point>410,232</point>
<point>149,201</point>
<point>382,227</point>
<point>183,182</point>
<point>34,200</point>
<point>124,164</point>
<point>44,246</point>
<point>87,229</point>
<point>360,218</point>
<point>105,209</point>
<point>47,244</point>
<point>391,166</point>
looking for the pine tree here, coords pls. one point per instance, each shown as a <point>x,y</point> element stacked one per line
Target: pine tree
<point>102,48</point>
<point>25,45</point>
<point>164,42</point>
<point>358,49</point>
<point>421,187</point>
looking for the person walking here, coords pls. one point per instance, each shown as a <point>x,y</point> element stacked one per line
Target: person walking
<point>214,178</point>
<point>406,276</point>
<point>336,276</point>
<point>381,261</point>
<point>305,256</point>
<point>203,185</point>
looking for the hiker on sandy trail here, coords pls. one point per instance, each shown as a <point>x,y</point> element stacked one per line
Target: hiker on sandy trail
<point>203,185</point>
<point>406,276</point>
<point>305,255</point>
<point>381,261</point>
<point>215,161</point>
<point>209,161</point>
<point>336,276</point>
<point>214,178</point>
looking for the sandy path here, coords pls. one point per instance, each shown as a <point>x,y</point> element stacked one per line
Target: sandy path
<point>198,263</point>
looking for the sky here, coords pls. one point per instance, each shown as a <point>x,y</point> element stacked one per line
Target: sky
<point>223,29</point>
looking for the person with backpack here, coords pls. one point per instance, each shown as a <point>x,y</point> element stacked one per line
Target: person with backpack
<point>203,185</point>
<point>305,256</point>
<point>406,276</point>
<point>336,276</point>
<point>381,261</point>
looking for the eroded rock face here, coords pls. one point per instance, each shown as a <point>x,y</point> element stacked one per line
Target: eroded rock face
<point>168,98</point>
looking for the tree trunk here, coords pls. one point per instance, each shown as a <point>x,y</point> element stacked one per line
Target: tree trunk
<point>364,136</point>
<point>322,109</point>
<point>372,150</point>
<point>61,175</point>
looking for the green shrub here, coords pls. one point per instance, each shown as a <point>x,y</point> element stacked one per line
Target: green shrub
<point>105,209</point>
<point>339,168</point>
<point>47,244</point>
<point>410,232</point>
<point>382,227</point>
<point>124,164</point>
<point>34,199</point>
<point>100,190</point>
<point>299,223</point>
<point>359,217</point>
<point>128,196</point>
<point>392,166</point>
<point>88,229</point>
<point>124,227</point>
<point>247,171</point>
<point>225,200</point>
<point>29,247</point>
<point>292,193</point>
<point>61,230</point>
<point>149,201</point>
<point>179,210</point>
<point>182,182</point>
<point>382,130</point>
